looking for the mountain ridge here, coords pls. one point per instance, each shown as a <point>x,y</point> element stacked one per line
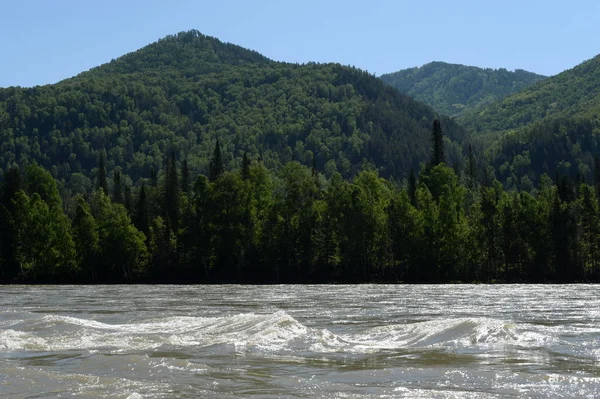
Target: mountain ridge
<point>185,91</point>
<point>568,94</point>
<point>454,88</point>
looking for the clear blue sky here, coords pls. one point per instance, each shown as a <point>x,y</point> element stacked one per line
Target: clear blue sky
<point>44,41</point>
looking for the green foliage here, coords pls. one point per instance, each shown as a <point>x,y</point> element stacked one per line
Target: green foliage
<point>550,127</point>
<point>123,251</point>
<point>455,89</point>
<point>86,239</point>
<point>254,136</point>
<point>44,248</point>
<point>186,91</point>
<point>573,94</point>
<point>296,226</point>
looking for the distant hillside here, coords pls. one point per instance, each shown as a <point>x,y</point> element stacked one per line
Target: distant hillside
<point>573,93</point>
<point>184,92</point>
<point>551,127</point>
<point>452,89</point>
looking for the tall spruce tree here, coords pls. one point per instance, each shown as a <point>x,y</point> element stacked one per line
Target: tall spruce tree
<point>597,175</point>
<point>153,177</point>
<point>245,167</point>
<point>117,187</point>
<point>102,181</point>
<point>171,192</point>
<point>412,187</point>
<point>216,163</point>
<point>472,179</point>
<point>141,217</point>
<point>127,199</point>
<point>437,156</point>
<point>185,176</point>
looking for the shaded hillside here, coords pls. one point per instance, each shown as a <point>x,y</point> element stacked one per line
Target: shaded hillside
<point>552,127</point>
<point>453,89</point>
<point>186,91</point>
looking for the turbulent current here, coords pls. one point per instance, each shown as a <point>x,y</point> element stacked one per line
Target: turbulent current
<point>365,341</point>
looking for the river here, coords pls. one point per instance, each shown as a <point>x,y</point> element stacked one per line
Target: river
<point>330,341</point>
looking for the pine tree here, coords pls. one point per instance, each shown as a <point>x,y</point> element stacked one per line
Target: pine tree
<point>141,217</point>
<point>86,239</point>
<point>437,156</point>
<point>117,187</point>
<point>128,201</point>
<point>153,177</point>
<point>185,176</point>
<point>171,193</point>
<point>412,187</point>
<point>245,167</point>
<point>472,168</point>
<point>216,163</point>
<point>102,181</point>
<point>597,175</point>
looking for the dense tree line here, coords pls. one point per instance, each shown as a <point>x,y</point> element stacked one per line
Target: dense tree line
<point>296,225</point>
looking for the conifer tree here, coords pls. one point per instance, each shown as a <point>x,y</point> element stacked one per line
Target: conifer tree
<point>141,217</point>
<point>437,156</point>
<point>117,187</point>
<point>185,176</point>
<point>85,237</point>
<point>216,163</point>
<point>153,177</point>
<point>597,175</point>
<point>472,168</point>
<point>245,167</point>
<point>171,192</point>
<point>128,201</point>
<point>412,187</point>
<point>102,181</point>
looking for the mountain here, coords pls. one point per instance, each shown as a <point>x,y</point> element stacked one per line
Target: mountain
<point>453,89</point>
<point>188,53</point>
<point>186,91</point>
<point>551,127</point>
<point>574,93</point>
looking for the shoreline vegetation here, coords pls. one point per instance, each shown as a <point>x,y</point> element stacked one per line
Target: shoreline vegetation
<point>294,225</point>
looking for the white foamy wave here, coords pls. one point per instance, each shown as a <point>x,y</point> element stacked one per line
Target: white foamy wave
<point>273,332</point>
<point>461,332</point>
<point>276,332</point>
<point>11,340</point>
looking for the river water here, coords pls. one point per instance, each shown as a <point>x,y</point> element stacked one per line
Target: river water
<point>365,341</point>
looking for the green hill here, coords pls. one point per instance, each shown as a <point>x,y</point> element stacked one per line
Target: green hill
<point>453,89</point>
<point>574,93</point>
<point>550,127</point>
<point>185,91</point>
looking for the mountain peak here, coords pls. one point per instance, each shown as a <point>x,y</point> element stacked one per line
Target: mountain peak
<point>189,53</point>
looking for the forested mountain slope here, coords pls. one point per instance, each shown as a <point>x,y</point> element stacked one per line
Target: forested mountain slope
<point>574,93</point>
<point>552,127</point>
<point>453,89</point>
<point>186,91</point>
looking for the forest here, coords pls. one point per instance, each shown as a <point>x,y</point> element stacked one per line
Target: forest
<point>454,90</point>
<point>185,91</point>
<point>197,161</point>
<point>253,225</point>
